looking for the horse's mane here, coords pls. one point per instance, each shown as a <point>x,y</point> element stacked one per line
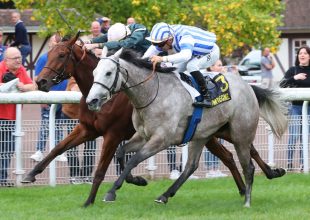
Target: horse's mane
<point>134,57</point>
<point>67,38</point>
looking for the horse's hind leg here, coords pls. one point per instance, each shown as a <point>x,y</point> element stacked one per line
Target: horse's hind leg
<point>243,152</point>
<point>270,173</point>
<point>75,138</point>
<point>194,152</point>
<point>216,148</point>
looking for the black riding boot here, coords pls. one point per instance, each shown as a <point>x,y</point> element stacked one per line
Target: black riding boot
<point>205,85</point>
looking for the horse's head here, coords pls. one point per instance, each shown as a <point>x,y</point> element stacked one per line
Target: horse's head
<point>59,66</point>
<point>107,81</point>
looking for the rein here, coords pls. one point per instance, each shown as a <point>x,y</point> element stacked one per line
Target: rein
<point>60,75</point>
<point>124,86</point>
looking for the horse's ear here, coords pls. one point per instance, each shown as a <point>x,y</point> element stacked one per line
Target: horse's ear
<point>75,38</point>
<point>77,35</point>
<point>104,52</point>
<point>118,53</point>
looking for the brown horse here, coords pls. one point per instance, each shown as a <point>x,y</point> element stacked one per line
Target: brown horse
<point>113,122</point>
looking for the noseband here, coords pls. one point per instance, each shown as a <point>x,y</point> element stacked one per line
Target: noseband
<point>114,84</point>
<point>60,75</point>
<point>124,84</point>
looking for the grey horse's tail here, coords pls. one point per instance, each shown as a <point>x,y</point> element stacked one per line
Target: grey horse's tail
<point>272,109</point>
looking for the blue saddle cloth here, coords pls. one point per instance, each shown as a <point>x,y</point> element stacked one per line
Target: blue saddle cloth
<point>220,93</point>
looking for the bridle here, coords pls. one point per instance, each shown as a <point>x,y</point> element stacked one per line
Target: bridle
<point>124,85</point>
<point>60,74</point>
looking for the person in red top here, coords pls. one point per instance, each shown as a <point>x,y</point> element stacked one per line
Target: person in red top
<point>10,66</point>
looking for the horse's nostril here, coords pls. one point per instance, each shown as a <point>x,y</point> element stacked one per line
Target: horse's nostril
<point>42,85</point>
<point>93,102</point>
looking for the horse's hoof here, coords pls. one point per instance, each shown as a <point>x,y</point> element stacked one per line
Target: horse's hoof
<point>162,199</point>
<point>247,205</point>
<point>109,197</point>
<point>278,172</point>
<point>137,180</point>
<point>87,203</point>
<point>281,172</point>
<point>242,192</point>
<point>28,179</point>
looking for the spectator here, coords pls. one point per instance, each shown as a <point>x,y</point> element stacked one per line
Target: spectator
<point>95,32</point>
<point>2,47</point>
<point>171,158</point>
<point>131,36</point>
<point>105,23</point>
<point>297,76</point>
<point>267,64</point>
<point>11,65</point>
<point>21,38</point>
<point>131,20</point>
<point>211,161</point>
<point>45,108</point>
<point>191,49</point>
<point>78,174</point>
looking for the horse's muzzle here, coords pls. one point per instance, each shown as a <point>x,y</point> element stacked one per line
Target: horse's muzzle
<point>42,85</point>
<point>93,105</point>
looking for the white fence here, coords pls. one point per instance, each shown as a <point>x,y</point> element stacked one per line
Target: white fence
<point>271,150</point>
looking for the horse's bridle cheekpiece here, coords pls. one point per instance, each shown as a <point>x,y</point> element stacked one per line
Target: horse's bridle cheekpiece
<point>60,75</point>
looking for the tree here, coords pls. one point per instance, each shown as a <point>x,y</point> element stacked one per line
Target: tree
<point>237,23</point>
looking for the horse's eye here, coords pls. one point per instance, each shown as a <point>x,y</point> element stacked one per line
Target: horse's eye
<point>61,55</point>
<point>108,73</point>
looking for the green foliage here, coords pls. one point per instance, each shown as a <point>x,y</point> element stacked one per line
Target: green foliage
<point>237,23</point>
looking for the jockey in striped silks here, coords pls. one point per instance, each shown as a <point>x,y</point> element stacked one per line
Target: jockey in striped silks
<point>188,48</point>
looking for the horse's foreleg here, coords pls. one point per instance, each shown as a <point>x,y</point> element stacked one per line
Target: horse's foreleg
<point>153,146</point>
<point>75,138</point>
<point>136,143</point>
<point>109,147</point>
<point>270,173</point>
<point>216,148</point>
<point>194,152</point>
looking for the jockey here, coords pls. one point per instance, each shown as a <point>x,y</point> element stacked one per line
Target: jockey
<point>131,36</point>
<point>189,48</point>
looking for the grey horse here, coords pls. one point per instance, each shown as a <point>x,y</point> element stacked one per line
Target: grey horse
<point>162,107</point>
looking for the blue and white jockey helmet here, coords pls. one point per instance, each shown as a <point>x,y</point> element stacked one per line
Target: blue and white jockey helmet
<point>118,31</point>
<point>160,33</point>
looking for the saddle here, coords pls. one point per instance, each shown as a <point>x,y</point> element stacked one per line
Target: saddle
<point>219,93</point>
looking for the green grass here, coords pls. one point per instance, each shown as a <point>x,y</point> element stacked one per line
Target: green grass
<point>284,198</point>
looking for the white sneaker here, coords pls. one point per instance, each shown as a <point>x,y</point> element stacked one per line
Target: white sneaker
<point>37,156</point>
<point>210,174</point>
<point>193,177</point>
<point>174,174</point>
<point>62,158</point>
<point>218,173</point>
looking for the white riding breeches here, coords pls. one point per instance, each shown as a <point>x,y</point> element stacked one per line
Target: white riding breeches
<point>200,62</point>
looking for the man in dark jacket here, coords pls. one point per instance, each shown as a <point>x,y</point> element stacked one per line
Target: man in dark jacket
<point>119,35</point>
<point>21,38</point>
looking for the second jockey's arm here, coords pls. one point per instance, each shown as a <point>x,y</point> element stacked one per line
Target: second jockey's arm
<point>182,56</point>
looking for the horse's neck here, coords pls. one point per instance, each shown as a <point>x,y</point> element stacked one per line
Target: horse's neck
<point>84,75</point>
<point>158,87</point>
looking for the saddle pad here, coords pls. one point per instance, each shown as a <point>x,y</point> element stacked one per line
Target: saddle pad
<point>219,94</point>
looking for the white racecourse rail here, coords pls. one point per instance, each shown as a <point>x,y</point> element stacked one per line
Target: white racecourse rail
<point>54,97</point>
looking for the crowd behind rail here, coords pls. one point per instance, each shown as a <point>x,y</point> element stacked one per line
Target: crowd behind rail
<point>77,165</point>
